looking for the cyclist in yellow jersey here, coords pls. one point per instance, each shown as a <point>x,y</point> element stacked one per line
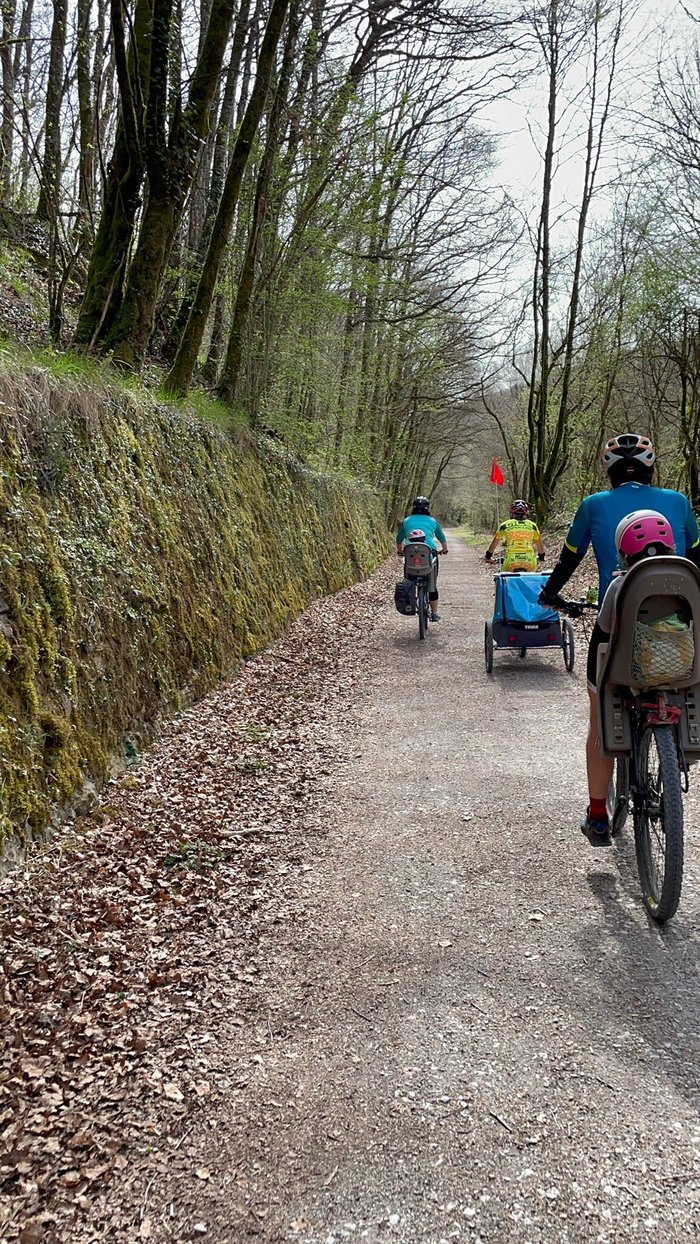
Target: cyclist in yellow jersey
<point>522,540</point>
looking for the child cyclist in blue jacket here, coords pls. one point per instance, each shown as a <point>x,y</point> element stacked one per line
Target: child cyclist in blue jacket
<point>420,519</point>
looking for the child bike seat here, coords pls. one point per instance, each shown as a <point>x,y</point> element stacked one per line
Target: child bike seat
<point>651,591</point>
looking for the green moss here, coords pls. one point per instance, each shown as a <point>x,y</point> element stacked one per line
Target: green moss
<point>145,550</point>
<point>56,731</point>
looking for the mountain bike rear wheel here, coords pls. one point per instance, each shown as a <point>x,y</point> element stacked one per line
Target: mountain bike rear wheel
<point>423,609</point>
<point>658,821</point>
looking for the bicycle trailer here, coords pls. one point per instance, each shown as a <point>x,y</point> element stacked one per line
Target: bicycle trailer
<point>519,622</point>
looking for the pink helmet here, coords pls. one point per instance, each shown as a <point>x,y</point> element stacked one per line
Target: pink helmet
<point>415,535</point>
<point>644,533</point>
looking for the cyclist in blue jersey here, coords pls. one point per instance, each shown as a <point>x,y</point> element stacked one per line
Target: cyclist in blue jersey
<point>420,519</point>
<point>629,461</point>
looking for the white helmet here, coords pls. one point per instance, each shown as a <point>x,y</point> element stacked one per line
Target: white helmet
<point>629,447</point>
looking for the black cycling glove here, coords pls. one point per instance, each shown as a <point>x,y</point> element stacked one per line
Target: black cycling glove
<point>552,600</point>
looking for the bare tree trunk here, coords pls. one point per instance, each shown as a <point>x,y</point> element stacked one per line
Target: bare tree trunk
<point>539,386</point>
<point>234,355</point>
<point>563,33</point>
<point>49,188</point>
<point>223,135</point>
<point>168,187</point>
<point>25,45</point>
<point>86,118</point>
<point>558,456</point>
<point>122,191</point>
<point>180,375</point>
<point>7,64</point>
<point>103,94</point>
<point>200,186</point>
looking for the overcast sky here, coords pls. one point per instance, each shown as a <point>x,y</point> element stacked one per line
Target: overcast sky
<point>517,122</point>
<point>653,29</point>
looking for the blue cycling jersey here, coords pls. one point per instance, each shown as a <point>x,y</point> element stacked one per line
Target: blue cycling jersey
<point>421,522</point>
<point>597,517</point>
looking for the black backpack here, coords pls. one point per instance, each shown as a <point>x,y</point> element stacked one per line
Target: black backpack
<point>405,596</point>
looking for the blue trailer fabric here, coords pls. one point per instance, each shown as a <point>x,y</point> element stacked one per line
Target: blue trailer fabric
<point>516,599</point>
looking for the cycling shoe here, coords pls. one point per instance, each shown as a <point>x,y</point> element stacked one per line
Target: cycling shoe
<point>596,831</point>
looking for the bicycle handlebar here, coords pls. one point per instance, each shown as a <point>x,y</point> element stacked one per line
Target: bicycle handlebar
<point>574,608</point>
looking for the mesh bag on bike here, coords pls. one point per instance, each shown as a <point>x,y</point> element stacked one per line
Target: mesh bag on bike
<point>663,652</point>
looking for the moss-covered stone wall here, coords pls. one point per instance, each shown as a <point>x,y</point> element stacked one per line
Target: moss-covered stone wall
<point>143,552</point>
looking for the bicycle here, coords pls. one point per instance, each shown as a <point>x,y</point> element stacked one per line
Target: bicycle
<point>649,732</point>
<point>419,560</point>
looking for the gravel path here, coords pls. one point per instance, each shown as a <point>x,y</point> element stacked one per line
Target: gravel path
<point>474,1032</point>
<point>459,1023</point>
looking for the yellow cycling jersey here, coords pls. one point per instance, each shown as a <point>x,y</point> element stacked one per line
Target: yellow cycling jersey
<point>519,536</point>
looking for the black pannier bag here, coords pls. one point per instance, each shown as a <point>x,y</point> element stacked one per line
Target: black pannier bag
<point>405,596</point>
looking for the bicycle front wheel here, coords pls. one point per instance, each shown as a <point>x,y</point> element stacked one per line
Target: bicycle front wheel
<point>422,611</point>
<point>658,822</point>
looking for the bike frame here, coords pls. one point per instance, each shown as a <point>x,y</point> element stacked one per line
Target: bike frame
<point>648,709</point>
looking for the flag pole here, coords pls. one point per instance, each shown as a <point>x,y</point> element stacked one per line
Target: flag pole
<point>498,524</point>
<point>498,480</point>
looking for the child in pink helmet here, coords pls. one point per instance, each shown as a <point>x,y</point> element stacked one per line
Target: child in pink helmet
<point>641,534</point>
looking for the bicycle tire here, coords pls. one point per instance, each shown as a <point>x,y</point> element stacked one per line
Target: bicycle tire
<point>658,822</point>
<point>488,647</point>
<point>422,611</point>
<point>568,645</point>
<point>618,800</point>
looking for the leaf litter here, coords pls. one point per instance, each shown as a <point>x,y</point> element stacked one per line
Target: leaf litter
<point>111,972</point>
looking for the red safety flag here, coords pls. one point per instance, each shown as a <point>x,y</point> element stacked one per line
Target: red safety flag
<point>497,474</point>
